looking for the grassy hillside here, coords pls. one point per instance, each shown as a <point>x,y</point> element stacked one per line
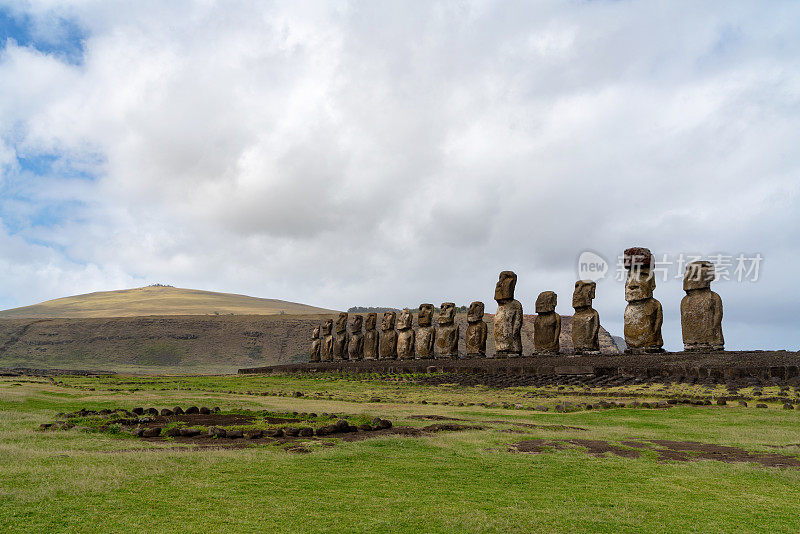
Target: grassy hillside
<point>157,300</point>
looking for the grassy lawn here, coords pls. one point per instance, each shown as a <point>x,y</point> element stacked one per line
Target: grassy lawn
<point>77,481</point>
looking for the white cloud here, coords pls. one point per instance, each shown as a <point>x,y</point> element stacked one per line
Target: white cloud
<point>382,153</point>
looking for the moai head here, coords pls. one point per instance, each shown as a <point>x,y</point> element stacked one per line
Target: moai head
<point>327,327</point>
<point>639,285</point>
<point>406,320</point>
<point>372,321</point>
<point>640,282</point>
<point>475,312</point>
<point>584,293</point>
<point>341,323</point>
<point>447,313</point>
<point>546,302</point>
<point>355,328</point>
<point>315,333</point>
<point>698,275</point>
<point>504,290</point>
<point>388,321</point>
<point>425,316</point>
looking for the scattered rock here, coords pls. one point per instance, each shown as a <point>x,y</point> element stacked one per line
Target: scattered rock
<point>216,432</point>
<point>761,405</point>
<point>138,411</point>
<point>153,432</point>
<point>166,412</point>
<point>205,411</point>
<point>192,410</point>
<point>306,432</point>
<point>234,434</point>
<point>254,434</point>
<point>177,410</point>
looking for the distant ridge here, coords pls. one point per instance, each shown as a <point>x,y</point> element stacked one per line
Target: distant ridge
<point>157,300</point>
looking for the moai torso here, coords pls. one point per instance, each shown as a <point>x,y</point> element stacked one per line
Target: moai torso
<point>508,319</point>
<point>327,341</point>
<point>701,309</point>
<point>475,341</point>
<point>316,346</point>
<point>546,324</point>
<point>405,336</point>
<point>340,339</point>
<point>643,320</point>
<point>388,343</point>
<point>425,338</point>
<point>585,330</point>
<point>586,320</point>
<point>355,346</point>
<point>643,315</point>
<point>447,332</point>
<point>371,337</point>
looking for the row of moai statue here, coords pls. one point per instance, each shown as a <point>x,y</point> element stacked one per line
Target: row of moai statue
<point>701,321</point>
<point>402,341</point>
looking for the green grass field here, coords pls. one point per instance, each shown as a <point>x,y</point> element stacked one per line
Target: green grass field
<point>78,481</point>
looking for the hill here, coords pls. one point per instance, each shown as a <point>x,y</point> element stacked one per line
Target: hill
<point>157,300</point>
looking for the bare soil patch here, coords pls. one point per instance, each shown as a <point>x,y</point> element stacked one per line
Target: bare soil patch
<point>681,451</point>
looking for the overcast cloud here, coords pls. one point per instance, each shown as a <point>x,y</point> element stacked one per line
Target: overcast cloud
<point>393,153</point>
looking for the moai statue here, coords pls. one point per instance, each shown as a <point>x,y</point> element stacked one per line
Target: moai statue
<point>586,321</point>
<point>426,333</point>
<point>701,309</point>
<point>643,315</point>
<point>340,339</point>
<point>405,336</point>
<point>355,347</point>
<point>546,324</point>
<point>508,319</point>
<point>388,344</point>
<point>327,341</point>
<point>316,345</point>
<point>371,337</point>
<point>476,331</point>
<point>447,332</point>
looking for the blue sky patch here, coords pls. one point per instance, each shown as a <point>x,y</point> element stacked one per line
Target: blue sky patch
<point>57,36</point>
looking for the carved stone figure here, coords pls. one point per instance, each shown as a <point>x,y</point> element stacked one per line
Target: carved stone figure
<point>508,319</point>
<point>546,324</point>
<point>340,339</point>
<point>447,332</point>
<point>327,341</point>
<point>355,347</point>
<point>316,346</point>
<point>643,315</point>
<point>405,336</point>
<point>476,331</point>
<point>586,321</point>
<point>388,344</point>
<point>371,337</point>
<point>701,309</point>
<point>426,333</point>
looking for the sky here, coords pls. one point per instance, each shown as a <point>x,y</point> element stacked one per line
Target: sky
<point>383,153</point>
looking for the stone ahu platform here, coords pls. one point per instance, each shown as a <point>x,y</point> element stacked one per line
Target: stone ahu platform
<point>716,367</point>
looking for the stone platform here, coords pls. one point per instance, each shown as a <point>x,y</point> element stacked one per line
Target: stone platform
<point>774,366</point>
